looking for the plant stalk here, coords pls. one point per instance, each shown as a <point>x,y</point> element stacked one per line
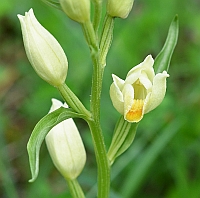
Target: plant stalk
<point>94,124</point>
<point>75,189</point>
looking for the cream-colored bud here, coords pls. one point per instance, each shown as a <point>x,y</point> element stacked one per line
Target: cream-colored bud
<point>119,8</point>
<point>43,50</point>
<point>78,10</point>
<point>65,146</point>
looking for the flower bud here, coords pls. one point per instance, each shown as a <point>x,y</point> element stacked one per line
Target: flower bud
<point>119,8</point>
<point>43,50</point>
<point>78,10</point>
<point>65,146</point>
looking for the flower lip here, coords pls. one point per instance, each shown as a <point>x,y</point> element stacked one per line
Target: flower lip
<point>135,113</point>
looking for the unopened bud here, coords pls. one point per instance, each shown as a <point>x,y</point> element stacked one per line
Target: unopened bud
<point>78,10</point>
<point>65,146</point>
<point>43,50</point>
<point>119,8</point>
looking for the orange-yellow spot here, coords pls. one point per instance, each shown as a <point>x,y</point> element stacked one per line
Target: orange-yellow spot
<point>135,113</point>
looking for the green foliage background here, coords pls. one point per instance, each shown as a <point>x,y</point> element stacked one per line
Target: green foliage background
<point>164,160</point>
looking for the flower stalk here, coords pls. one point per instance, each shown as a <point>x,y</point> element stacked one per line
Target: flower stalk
<point>97,15</point>
<point>75,189</point>
<point>72,100</point>
<point>94,124</point>
<point>106,38</point>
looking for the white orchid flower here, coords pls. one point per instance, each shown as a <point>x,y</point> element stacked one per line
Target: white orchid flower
<point>43,50</point>
<point>141,91</point>
<point>65,146</point>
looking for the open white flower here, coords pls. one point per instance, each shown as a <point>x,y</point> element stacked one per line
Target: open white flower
<point>141,91</point>
<point>43,50</point>
<point>65,146</point>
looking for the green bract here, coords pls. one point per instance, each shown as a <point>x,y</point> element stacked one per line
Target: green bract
<point>163,59</point>
<point>41,130</point>
<point>123,137</point>
<point>53,3</point>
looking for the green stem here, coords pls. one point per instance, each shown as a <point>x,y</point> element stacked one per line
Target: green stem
<point>72,100</point>
<point>106,38</point>
<point>94,124</point>
<point>75,189</point>
<point>102,160</point>
<point>97,15</point>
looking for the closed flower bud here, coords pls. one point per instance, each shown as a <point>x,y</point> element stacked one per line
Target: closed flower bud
<point>141,91</point>
<point>43,50</point>
<point>78,10</point>
<point>65,146</point>
<point>119,8</point>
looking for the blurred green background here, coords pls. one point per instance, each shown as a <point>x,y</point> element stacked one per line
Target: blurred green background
<point>163,161</point>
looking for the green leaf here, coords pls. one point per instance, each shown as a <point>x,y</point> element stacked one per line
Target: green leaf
<point>41,130</point>
<point>53,3</point>
<point>162,60</point>
<point>123,137</point>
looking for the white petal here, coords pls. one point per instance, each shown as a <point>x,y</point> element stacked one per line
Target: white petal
<point>118,81</point>
<point>117,97</point>
<point>144,80</point>
<point>146,66</point>
<point>158,92</point>
<point>128,93</point>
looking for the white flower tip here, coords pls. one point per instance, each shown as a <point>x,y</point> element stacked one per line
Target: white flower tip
<point>20,17</point>
<point>57,104</point>
<point>113,76</point>
<point>149,56</point>
<point>30,12</point>
<point>54,101</point>
<point>149,59</point>
<point>165,73</point>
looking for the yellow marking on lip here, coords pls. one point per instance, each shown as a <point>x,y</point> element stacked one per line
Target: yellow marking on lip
<point>135,113</point>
